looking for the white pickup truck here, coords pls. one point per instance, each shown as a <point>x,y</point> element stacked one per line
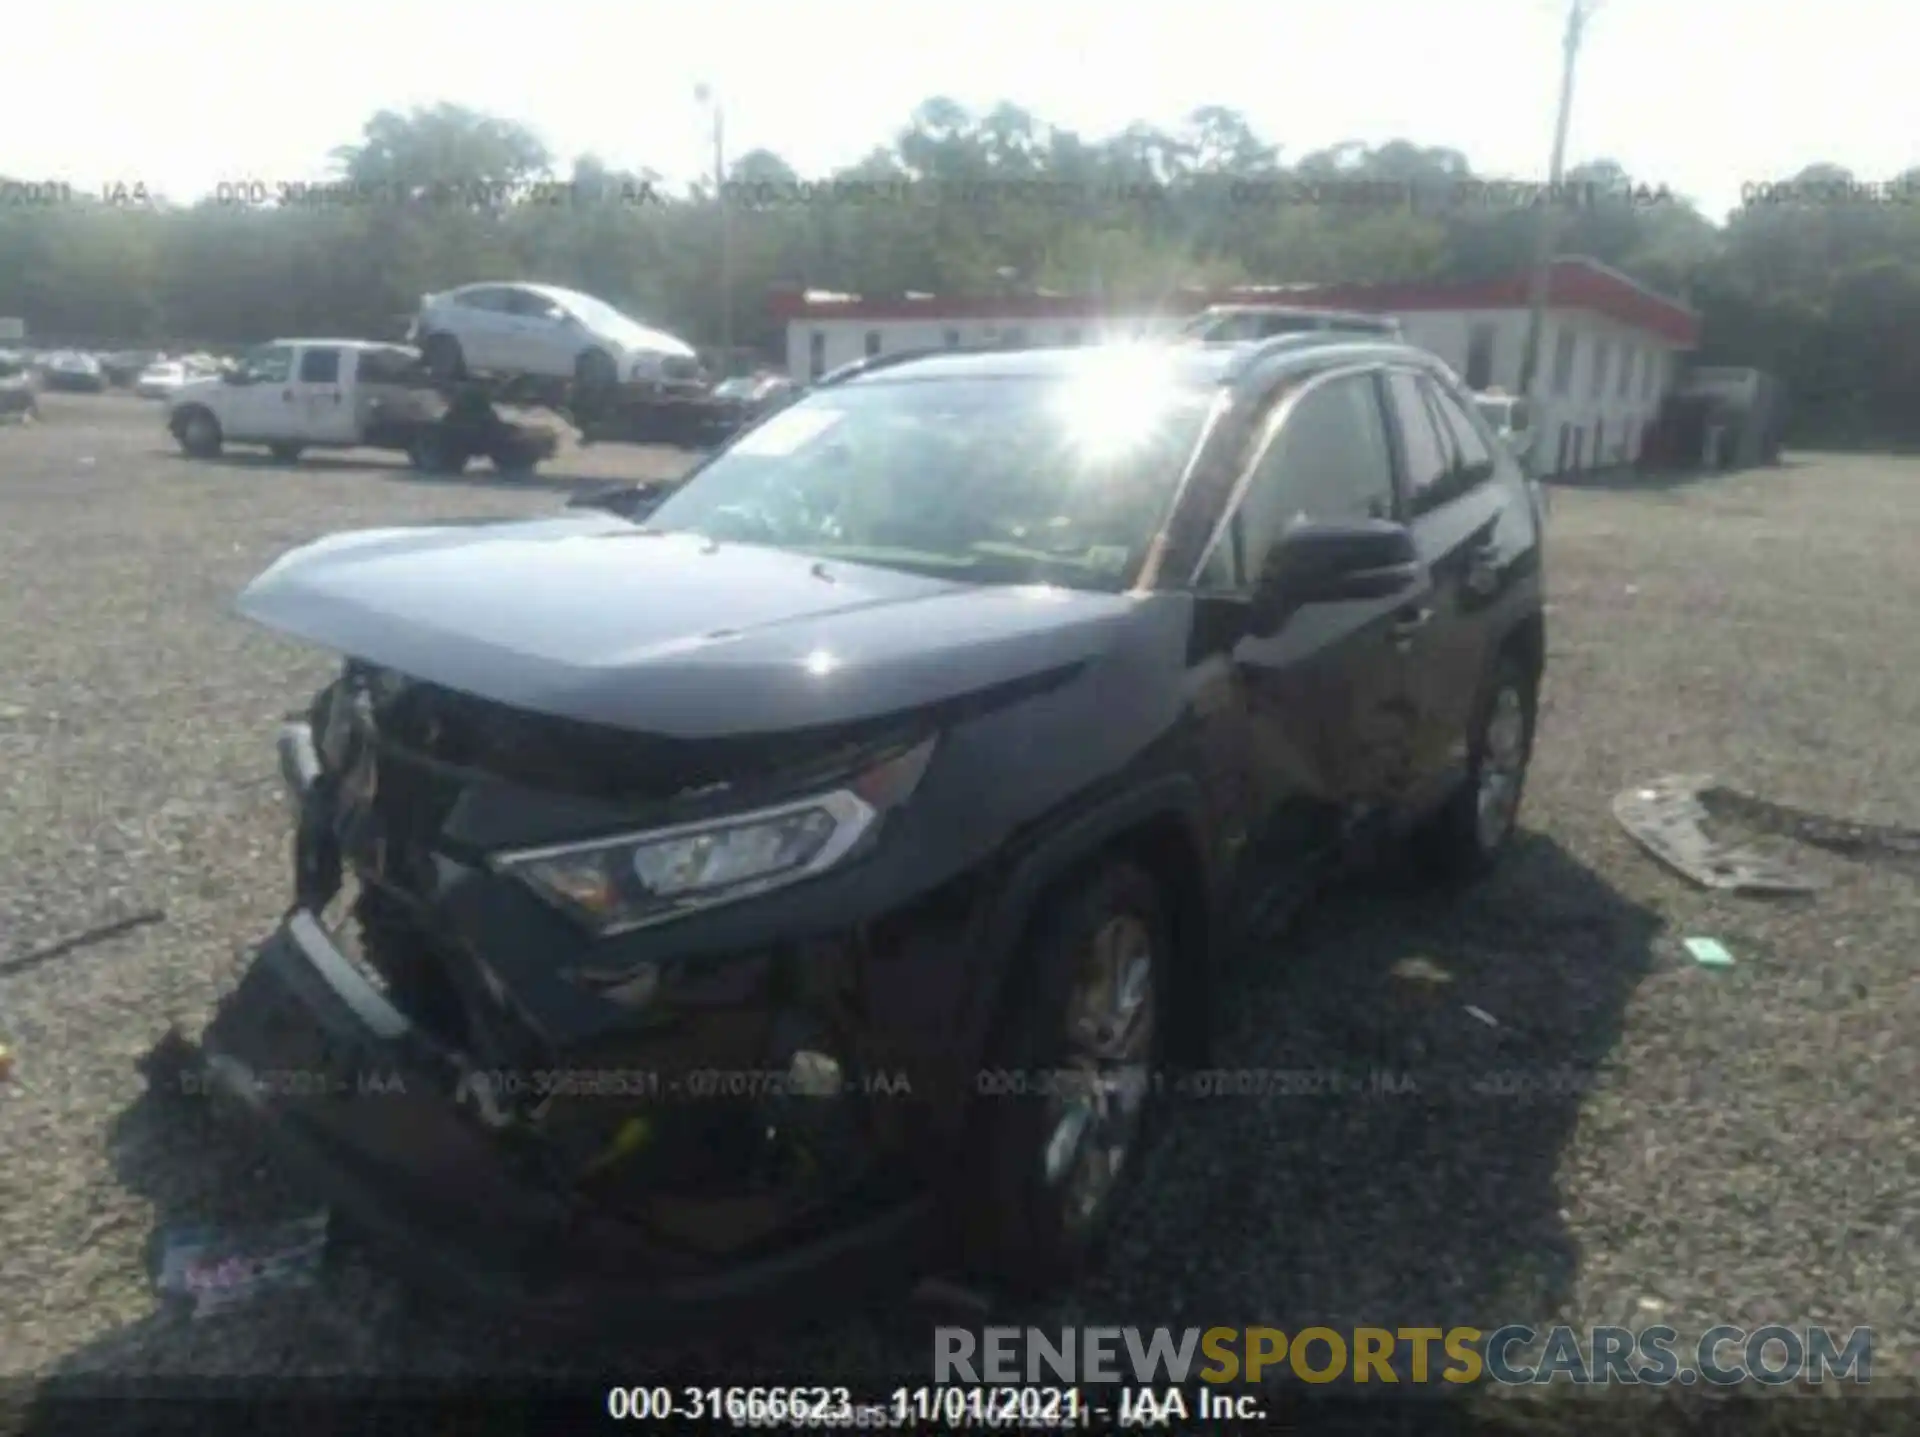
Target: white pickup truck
<point>298,394</point>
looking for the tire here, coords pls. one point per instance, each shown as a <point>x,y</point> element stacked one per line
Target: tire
<point>430,453</point>
<point>199,433</point>
<point>286,453</point>
<point>509,465</point>
<point>443,357</point>
<point>1036,1202</point>
<point>1466,837</point>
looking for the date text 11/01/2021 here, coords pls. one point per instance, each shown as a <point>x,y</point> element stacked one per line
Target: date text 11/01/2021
<point>1559,1082</point>
<point>990,1408</point>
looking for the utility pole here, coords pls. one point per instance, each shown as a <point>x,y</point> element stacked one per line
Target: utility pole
<point>1578,12</point>
<point>705,95</point>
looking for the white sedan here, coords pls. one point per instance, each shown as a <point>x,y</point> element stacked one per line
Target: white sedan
<point>541,331</point>
<point>159,381</point>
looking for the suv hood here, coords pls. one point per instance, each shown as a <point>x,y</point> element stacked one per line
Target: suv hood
<point>588,617</point>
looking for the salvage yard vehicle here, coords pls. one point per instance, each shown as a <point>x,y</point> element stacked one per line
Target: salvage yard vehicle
<point>16,388</point>
<point>73,372</point>
<point>296,394</point>
<point>810,872</point>
<point>162,378</point>
<point>543,331</point>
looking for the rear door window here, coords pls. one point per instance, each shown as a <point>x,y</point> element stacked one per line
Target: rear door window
<point>1328,460</point>
<point>320,366</point>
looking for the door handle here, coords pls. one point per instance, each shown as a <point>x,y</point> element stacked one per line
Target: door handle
<point>1409,622</point>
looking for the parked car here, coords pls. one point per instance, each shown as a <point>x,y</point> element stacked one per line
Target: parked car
<point>16,387</point>
<point>1510,416</point>
<point>542,331</point>
<point>124,367</point>
<point>824,861</point>
<point>744,398</point>
<point>78,373</point>
<point>1239,323</point>
<point>164,378</point>
<point>755,390</point>
<point>298,394</point>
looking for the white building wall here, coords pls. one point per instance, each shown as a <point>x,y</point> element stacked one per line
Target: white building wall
<point>1575,409</point>
<point>1584,421</point>
<point>845,340</point>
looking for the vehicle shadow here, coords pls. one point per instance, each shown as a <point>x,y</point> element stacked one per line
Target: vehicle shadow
<point>1372,1153</point>
<point>1395,1161</point>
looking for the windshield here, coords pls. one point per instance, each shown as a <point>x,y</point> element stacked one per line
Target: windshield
<point>1055,479</point>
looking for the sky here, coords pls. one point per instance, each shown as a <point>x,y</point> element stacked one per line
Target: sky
<point>1701,96</point>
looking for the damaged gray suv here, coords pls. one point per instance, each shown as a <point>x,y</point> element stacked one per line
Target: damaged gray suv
<point>820,871</point>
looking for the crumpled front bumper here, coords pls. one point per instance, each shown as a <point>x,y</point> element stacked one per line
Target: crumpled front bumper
<point>363,1104</point>
<point>380,1118</point>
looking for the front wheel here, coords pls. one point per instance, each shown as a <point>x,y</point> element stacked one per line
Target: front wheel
<point>1465,838</point>
<point>1061,1111</point>
<point>199,434</point>
<point>432,453</point>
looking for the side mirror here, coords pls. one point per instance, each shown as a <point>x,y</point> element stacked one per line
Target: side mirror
<point>1328,563</point>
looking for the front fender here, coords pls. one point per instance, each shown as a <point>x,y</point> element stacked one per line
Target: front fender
<point>1064,844</point>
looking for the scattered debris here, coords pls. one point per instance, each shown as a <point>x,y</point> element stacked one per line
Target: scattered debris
<point>1483,1015</point>
<point>1668,817</point>
<point>10,966</point>
<point>1864,842</point>
<point>219,1269</point>
<point>1652,1304</point>
<point>1421,970</point>
<point>6,1062</point>
<point>1708,952</point>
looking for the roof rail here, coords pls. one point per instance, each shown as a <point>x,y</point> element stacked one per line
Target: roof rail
<point>872,363</point>
<point>1256,351</point>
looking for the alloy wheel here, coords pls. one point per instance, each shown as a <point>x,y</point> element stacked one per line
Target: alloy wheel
<point>1095,1103</point>
<point>1503,763</point>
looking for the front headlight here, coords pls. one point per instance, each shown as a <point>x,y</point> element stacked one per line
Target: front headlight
<point>612,885</point>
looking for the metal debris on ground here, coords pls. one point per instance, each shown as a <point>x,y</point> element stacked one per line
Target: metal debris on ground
<point>218,1268</point>
<point>10,966</point>
<point>1421,970</point>
<point>1483,1015</point>
<point>1864,842</point>
<point>1708,952</point>
<point>1669,817</point>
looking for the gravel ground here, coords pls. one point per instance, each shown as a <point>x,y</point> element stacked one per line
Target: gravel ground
<point>1694,1146</point>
